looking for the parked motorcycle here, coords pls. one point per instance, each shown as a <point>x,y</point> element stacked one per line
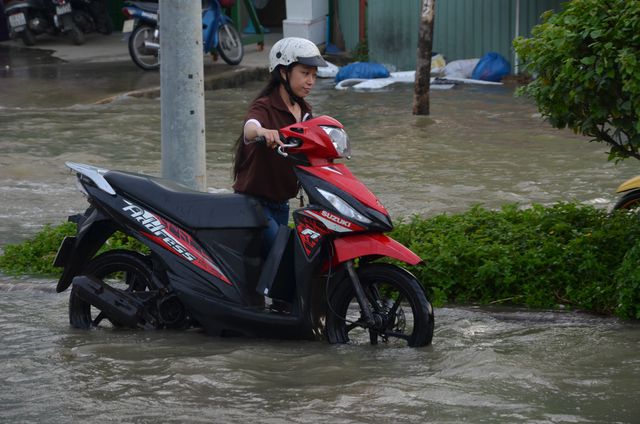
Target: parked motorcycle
<point>219,35</point>
<point>65,22</point>
<point>144,39</point>
<point>29,18</point>
<point>92,16</point>
<point>79,17</point>
<point>630,198</point>
<point>204,267</point>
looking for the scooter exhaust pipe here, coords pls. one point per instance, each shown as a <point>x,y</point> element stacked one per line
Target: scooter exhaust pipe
<point>151,45</point>
<point>117,305</point>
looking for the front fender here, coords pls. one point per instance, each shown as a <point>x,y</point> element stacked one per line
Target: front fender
<point>93,232</point>
<point>372,244</point>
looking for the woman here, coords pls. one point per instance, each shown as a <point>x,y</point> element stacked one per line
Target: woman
<point>259,170</point>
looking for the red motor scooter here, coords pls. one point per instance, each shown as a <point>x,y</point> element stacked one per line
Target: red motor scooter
<point>204,267</point>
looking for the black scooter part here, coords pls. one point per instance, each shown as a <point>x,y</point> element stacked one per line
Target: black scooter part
<point>220,317</point>
<point>277,279</point>
<point>117,305</point>
<point>74,252</point>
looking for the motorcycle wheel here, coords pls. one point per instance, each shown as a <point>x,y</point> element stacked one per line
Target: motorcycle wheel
<point>28,38</point>
<point>106,27</point>
<point>77,36</point>
<point>230,44</point>
<point>401,310</point>
<point>147,59</point>
<point>121,269</point>
<point>630,200</point>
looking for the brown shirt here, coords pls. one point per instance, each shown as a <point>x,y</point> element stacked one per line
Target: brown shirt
<point>263,172</point>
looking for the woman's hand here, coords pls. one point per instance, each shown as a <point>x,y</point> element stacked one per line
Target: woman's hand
<point>272,137</point>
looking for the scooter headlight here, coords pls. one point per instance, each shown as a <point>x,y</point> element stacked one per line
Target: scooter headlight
<point>343,207</point>
<point>340,140</point>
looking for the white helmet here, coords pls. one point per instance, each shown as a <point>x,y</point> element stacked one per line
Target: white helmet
<point>293,49</point>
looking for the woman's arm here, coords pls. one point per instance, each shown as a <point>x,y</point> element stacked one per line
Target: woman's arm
<point>253,129</point>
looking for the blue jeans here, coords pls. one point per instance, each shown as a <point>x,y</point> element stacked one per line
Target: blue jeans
<point>277,214</point>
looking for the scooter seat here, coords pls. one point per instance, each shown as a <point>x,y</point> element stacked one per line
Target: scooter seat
<point>184,206</point>
<point>143,5</point>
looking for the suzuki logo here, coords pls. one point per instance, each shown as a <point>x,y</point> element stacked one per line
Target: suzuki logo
<point>336,219</point>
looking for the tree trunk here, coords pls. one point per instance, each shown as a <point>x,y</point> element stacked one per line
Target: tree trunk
<point>423,62</point>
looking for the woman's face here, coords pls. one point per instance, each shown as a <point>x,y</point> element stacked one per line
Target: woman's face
<point>302,78</point>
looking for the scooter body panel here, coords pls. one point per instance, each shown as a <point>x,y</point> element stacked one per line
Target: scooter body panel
<point>630,184</point>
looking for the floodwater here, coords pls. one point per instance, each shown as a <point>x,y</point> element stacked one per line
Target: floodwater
<point>480,145</point>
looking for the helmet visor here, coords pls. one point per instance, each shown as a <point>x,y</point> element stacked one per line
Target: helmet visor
<point>312,61</point>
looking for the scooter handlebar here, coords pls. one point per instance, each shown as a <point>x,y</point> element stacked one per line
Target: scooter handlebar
<point>281,149</point>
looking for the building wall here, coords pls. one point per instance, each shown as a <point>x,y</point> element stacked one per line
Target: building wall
<point>349,22</point>
<point>463,28</point>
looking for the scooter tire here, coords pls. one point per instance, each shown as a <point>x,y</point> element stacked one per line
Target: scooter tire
<point>629,200</point>
<point>137,50</point>
<point>102,266</point>
<point>77,36</point>
<point>230,45</point>
<point>28,38</point>
<point>103,20</point>
<point>105,26</point>
<point>383,285</point>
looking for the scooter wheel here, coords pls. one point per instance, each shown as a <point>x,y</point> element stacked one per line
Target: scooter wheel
<point>28,38</point>
<point>401,312</point>
<point>106,26</point>
<point>121,269</point>
<point>230,44</point>
<point>77,36</point>
<point>630,200</point>
<point>146,58</point>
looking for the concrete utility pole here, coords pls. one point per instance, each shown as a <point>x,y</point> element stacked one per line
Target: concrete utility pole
<point>182,93</point>
<point>423,62</point>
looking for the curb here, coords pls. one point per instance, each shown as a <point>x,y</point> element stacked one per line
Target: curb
<point>227,79</point>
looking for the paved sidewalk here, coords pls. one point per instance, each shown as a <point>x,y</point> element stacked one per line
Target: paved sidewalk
<point>113,48</point>
<point>55,71</point>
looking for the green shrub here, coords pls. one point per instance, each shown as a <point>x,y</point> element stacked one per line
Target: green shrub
<point>627,285</point>
<point>35,256</point>
<point>588,73</point>
<point>540,257</point>
<point>361,51</point>
<point>537,257</point>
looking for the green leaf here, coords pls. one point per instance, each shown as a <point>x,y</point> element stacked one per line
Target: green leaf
<point>588,72</point>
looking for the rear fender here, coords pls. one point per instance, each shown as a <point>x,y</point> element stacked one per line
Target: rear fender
<point>73,255</point>
<point>373,244</point>
<point>631,184</point>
